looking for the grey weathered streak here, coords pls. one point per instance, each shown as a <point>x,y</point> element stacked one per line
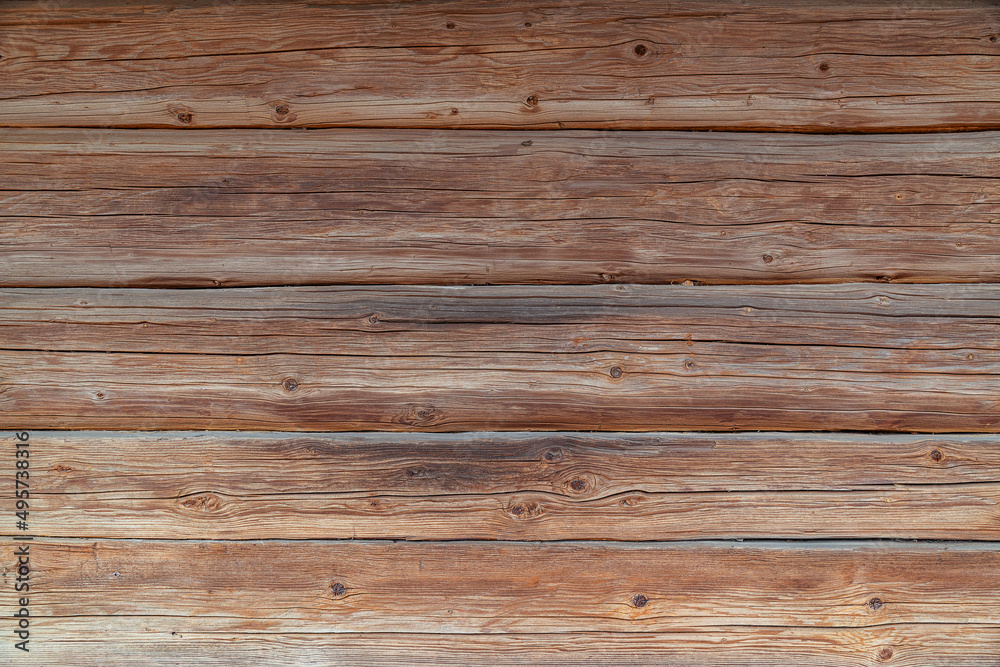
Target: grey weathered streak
<point>515,486</point>
<point>600,357</point>
<point>779,65</point>
<point>159,208</point>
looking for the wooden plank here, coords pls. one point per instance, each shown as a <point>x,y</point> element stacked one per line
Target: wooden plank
<point>612,357</point>
<point>197,209</point>
<point>495,587</point>
<point>913,645</point>
<point>558,486</point>
<point>779,65</point>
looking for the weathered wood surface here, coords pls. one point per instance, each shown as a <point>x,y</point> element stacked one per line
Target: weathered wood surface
<point>603,357</point>
<point>493,587</point>
<point>558,486</point>
<point>906,645</point>
<point>779,65</point>
<point>169,209</point>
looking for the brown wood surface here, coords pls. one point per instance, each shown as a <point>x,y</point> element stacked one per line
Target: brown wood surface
<point>612,357</point>
<point>779,65</point>
<point>556,486</point>
<point>493,587</point>
<point>204,209</point>
<point>902,644</point>
<point>473,371</point>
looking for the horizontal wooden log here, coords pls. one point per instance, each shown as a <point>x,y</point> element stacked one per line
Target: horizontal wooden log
<point>613,357</point>
<point>169,209</point>
<point>778,65</point>
<point>490,587</point>
<point>907,645</point>
<point>558,486</point>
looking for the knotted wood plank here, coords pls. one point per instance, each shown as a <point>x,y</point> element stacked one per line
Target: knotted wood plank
<point>169,209</point>
<point>490,587</point>
<point>778,65</point>
<point>613,357</point>
<point>909,645</point>
<point>557,486</point>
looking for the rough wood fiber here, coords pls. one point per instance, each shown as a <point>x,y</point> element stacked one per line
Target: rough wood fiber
<point>558,486</point>
<point>200,209</point>
<point>779,65</point>
<point>490,587</point>
<point>632,358</point>
<point>906,645</point>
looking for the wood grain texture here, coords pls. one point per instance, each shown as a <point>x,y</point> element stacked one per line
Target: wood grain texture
<point>779,65</point>
<point>491,587</point>
<point>558,486</point>
<point>911,645</point>
<point>612,357</point>
<point>203,209</point>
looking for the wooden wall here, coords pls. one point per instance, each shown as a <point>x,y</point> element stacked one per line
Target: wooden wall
<point>440,332</point>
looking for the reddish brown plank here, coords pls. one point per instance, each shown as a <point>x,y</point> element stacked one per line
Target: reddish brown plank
<point>631,358</point>
<point>196,209</point>
<point>779,65</point>
<point>476,587</point>
<point>558,486</point>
